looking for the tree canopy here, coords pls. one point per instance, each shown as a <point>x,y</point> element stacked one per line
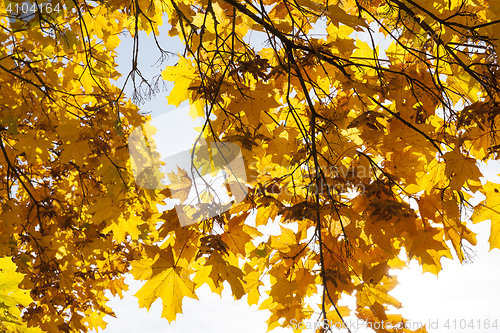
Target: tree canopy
<point>361,150</point>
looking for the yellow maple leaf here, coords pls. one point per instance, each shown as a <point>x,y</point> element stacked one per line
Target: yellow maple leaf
<point>76,150</point>
<point>460,169</point>
<point>182,75</point>
<point>225,270</point>
<point>125,226</point>
<point>35,147</point>
<point>180,185</point>
<point>429,247</point>
<point>489,209</point>
<point>11,296</point>
<point>171,284</point>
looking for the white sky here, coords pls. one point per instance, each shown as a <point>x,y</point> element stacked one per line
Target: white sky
<point>460,293</point>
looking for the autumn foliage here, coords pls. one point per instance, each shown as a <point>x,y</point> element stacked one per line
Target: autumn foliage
<point>360,148</point>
